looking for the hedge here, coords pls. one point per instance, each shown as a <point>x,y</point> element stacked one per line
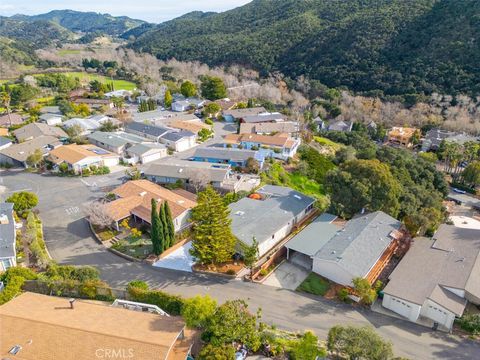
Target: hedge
<point>11,290</point>
<point>172,304</point>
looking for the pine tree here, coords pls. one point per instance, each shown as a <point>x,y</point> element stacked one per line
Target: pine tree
<point>156,232</point>
<point>168,99</point>
<point>170,226</point>
<point>213,241</point>
<point>163,219</point>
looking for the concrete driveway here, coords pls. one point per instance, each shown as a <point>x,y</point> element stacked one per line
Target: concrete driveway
<point>287,276</point>
<point>180,259</point>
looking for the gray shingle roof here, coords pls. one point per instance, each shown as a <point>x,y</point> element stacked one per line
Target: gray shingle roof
<point>362,241</point>
<point>7,231</point>
<point>238,113</point>
<point>147,129</point>
<point>263,118</point>
<point>177,135</point>
<point>115,139</point>
<point>184,169</point>
<point>4,141</point>
<point>20,152</point>
<point>140,149</point>
<point>224,153</point>
<point>263,218</point>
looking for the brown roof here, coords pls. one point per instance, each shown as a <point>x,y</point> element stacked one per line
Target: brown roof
<point>136,196</point>
<point>47,329</point>
<point>190,125</point>
<point>277,140</point>
<point>92,101</point>
<point>15,118</point>
<point>34,130</point>
<point>74,153</point>
<point>3,132</point>
<point>402,131</point>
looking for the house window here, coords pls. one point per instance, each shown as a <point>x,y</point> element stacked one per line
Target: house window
<point>6,264</point>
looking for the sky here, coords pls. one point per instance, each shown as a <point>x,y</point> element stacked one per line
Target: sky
<point>149,10</point>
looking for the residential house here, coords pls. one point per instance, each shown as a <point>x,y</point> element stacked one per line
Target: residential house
<point>182,105</point>
<point>268,216</point>
<point>96,104</point>
<point>145,153</point>
<point>344,126</point>
<point>134,199</point>
<point>51,119</point>
<point>268,128</point>
<point>179,140</point>
<point>5,142</point>
<point>90,124</point>
<point>359,249</point>
<point>41,327</point>
<point>51,110</point>
<point>194,126</point>
<point>12,119</point>
<point>225,105</point>
<point>116,142</point>
<point>119,93</point>
<point>434,138</point>
<point>237,114</point>
<point>81,157</point>
<point>437,277</point>
<point>403,136</point>
<point>151,132</point>
<point>280,146</point>
<point>319,124</point>
<point>234,157</point>
<point>17,154</point>
<point>266,117</point>
<point>34,130</point>
<point>8,254</point>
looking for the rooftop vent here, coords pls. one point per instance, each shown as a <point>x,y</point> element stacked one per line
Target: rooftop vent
<point>143,193</point>
<point>240,213</point>
<point>4,219</point>
<point>14,350</point>
<point>297,197</point>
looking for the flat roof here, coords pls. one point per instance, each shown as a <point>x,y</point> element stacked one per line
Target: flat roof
<point>7,231</point>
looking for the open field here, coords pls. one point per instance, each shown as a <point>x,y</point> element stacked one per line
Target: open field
<point>85,78</point>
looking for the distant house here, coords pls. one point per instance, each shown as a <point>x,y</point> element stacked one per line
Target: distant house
<point>437,277</point>
<point>80,157</point>
<point>90,123</point>
<point>51,119</point>
<point>362,248</point>
<point>94,103</point>
<point>51,110</point>
<point>16,155</point>
<point>280,146</point>
<point>118,93</point>
<point>116,142</point>
<point>41,327</point>
<point>134,199</point>
<point>179,140</point>
<point>225,104</point>
<point>145,153</point>
<point>237,114</point>
<point>8,254</point>
<point>5,142</point>
<point>434,138</point>
<point>269,216</point>
<point>268,128</point>
<point>182,105</point>
<point>319,124</point>
<point>194,126</point>
<point>263,118</point>
<point>402,136</point>
<point>234,157</point>
<point>7,120</point>
<point>34,130</point>
<point>151,132</point>
<point>344,126</point>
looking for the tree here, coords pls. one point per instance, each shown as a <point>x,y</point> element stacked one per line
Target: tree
<point>133,173</point>
<point>358,343</point>
<point>213,241</point>
<point>188,89</point>
<point>156,232</point>
<point>65,106</point>
<point>212,352</point>
<point>211,109</point>
<point>198,310</point>
<point>233,322</point>
<point>307,348</point>
<point>98,214</point>
<point>5,101</point>
<point>169,223</point>
<point>471,174</point>
<point>35,158</point>
<point>252,166</point>
<point>198,180</point>
<point>213,88</point>
<point>108,126</point>
<point>250,255</point>
<point>167,101</point>
<point>167,240</point>
<point>23,201</point>
<point>364,290</point>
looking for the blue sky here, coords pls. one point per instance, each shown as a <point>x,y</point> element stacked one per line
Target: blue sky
<point>149,10</point>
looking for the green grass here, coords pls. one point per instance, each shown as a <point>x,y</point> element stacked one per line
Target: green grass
<point>327,142</point>
<point>315,285</point>
<point>301,183</point>
<point>86,78</point>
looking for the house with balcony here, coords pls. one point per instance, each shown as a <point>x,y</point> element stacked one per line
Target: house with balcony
<point>279,146</point>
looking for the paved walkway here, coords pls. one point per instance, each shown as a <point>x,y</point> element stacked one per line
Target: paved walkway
<point>287,276</point>
<point>69,241</point>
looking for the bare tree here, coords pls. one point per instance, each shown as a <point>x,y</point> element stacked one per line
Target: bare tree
<point>198,180</point>
<point>98,214</point>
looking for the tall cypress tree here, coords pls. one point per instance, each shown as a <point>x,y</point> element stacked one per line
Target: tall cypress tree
<point>170,226</point>
<point>163,219</point>
<point>213,241</point>
<point>154,232</point>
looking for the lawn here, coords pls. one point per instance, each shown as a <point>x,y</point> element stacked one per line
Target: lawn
<point>327,142</point>
<point>301,183</point>
<point>314,284</point>
<point>138,248</point>
<point>87,77</point>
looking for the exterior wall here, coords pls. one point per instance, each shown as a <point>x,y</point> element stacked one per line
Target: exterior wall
<point>269,243</point>
<point>437,313</point>
<point>114,149</point>
<point>179,107</point>
<point>151,157</point>
<point>8,160</point>
<point>7,262</point>
<point>181,221</point>
<point>458,292</point>
<point>402,307</point>
<point>112,161</point>
<point>5,146</point>
<point>54,121</point>
<point>220,161</point>
<point>331,271</point>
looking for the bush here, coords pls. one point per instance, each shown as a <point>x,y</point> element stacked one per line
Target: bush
<point>11,290</point>
<point>212,352</point>
<point>307,348</point>
<point>343,294</point>
<point>172,304</point>
<point>196,311</point>
<point>208,121</point>
<point>230,272</point>
<point>69,272</point>
<point>138,284</point>
<point>26,273</point>
<point>470,323</point>
<point>23,201</point>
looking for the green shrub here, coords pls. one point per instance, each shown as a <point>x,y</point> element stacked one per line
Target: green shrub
<point>470,323</point>
<point>208,121</point>
<point>139,284</point>
<point>343,294</point>
<point>212,352</point>
<point>172,304</point>
<point>26,273</point>
<point>230,272</point>
<point>197,311</point>
<point>11,290</point>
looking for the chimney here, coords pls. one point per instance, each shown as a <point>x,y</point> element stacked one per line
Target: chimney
<point>71,301</point>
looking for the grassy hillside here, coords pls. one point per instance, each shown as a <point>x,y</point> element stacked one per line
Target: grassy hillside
<point>391,47</point>
<point>85,78</point>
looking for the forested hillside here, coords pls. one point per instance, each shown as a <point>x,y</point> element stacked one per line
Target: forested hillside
<point>380,47</point>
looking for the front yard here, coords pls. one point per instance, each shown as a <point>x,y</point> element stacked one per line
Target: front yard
<point>136,247</point>
<point>315,285</point>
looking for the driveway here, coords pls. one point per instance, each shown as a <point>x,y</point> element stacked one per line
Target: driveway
<point>69,241</point>
<point>287,276</point>
<point>179,259</point>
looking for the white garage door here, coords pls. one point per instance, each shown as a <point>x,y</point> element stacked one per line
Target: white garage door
<point>400,307</point>
<point>151,157</point>
<point>438,314</point>
<point>110,161</point>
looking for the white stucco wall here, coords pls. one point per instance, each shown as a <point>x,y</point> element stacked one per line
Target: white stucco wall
<point>331,271</point>
<point>181,220</point>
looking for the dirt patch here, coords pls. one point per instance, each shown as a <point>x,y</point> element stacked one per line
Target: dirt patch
<point>228,268</point>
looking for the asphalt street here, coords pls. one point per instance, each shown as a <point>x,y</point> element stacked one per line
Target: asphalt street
<point>69,241</point>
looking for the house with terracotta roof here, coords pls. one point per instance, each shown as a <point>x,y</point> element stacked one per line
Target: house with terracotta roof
<point>41,327</point>
<point>134,199</point>
<point>17,154</point>
<point>80,157</point>
<point>280,146</point>
<point>402,135</point>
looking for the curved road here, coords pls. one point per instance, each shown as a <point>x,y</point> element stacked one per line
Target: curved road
<point>69,241</point>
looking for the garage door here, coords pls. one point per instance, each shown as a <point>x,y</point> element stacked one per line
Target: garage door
<point>400,307</point>
<point>438,314</point>
<point>300,259</point>
<point>151,157</point>
<point>110,161</point>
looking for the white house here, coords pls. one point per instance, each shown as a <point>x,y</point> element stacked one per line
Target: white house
<point>80,157</point>
<point>179,140</point>
<point>182,105</point>
<point>51,119</point>
<point>145,152</point>
<point>437,277</point>
<point>8,254</point>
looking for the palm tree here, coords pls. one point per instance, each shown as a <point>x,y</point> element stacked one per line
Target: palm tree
<point>5,99</point>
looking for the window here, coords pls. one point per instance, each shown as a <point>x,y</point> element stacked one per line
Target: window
<point>6,263</point>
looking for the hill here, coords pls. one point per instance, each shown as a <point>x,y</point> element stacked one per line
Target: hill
<point>378,47</point>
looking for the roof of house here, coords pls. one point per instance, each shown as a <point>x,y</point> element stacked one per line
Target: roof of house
<point>435,136</point>
<point>115,139</point>
<point>51,110</point>
<point>20,152</point>
<point>3,131</point>
<point>4,141</point>
<point>48,116</point>
<point>16,119</point>
<point>183,103</point>
<point>177,135</point>
<point>34,130</point>
<point>282,127</point>
<point>263,218</point>
<point>224,153</point>
<point>263,117</point>
<point>340,126</point>
<point>184,169</point>
<point>92,101</point>
<point>363,240</point>
<point>47,328</point>
<point>277,140</point>
<point>238,113</point>
<point>136,196</point>
<point>314,236</point>
<point>7,230</point>
<point>141,149</point>
<point>151,130</point>
<point>402,131</point>
<point>84,123</point>
<point>193,126</point>
<point>225,104</point>
<point>74,153</point>
<point>451,259</point>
